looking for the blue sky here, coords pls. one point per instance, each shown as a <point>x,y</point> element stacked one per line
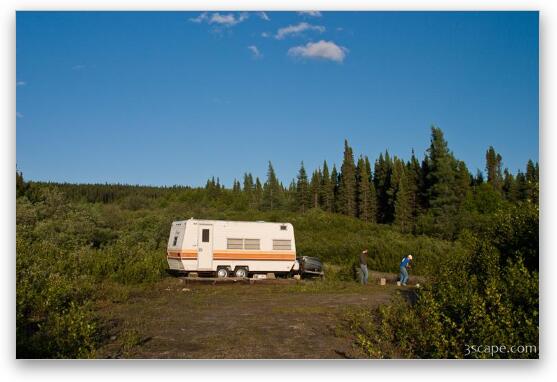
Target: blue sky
<point>167,98</point>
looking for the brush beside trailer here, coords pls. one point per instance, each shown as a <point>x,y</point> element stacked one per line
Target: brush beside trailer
<point>233,248</point>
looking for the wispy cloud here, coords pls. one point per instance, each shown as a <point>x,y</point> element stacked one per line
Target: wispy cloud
<point>255,52</point>
<point>18,114</point>
<point>199,19</point>
<point>223,20</point>
<point>79,67</point>
<point>297,29</point>
<point>326,50</point>
<point>263,16</point>
<point>21,83</point>
<point>265,34</point>
<point>310,13</point>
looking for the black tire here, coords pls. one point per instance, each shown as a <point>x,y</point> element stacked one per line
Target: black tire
<point>222,273</point>
<point>241,272</point>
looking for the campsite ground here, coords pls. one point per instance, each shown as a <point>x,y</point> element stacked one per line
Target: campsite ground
<point>173,319</point>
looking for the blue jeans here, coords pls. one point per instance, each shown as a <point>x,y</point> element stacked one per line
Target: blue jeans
<point>364,274</point>
<point>403,275</point>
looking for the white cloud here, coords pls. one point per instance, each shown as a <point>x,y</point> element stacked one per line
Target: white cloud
<point>255,52</point>
<point>199,19</point>
<point>21,83</point>
<point>296,29</point>
<point>263,16</point>
<point>225,20</point>
<point>265,34</point>
<point>18,114</point>
<point>310,13</point>
<point>326,50</point>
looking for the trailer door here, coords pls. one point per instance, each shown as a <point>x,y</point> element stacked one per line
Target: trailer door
<point>205,247</point>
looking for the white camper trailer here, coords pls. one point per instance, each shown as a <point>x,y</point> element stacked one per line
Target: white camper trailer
<point>231,247</point>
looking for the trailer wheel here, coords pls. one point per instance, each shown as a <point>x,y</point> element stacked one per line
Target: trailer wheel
<point>241,272</point>
<point>222,273</point>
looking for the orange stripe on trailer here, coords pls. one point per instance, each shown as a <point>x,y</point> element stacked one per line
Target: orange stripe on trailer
<point>182,255</point>
<point>235,255</point>
<point>253,256</point>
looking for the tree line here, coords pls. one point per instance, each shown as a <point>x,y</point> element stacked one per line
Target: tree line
<point>393,192</point>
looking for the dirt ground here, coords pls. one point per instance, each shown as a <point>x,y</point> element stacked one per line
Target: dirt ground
<point>175,319</point>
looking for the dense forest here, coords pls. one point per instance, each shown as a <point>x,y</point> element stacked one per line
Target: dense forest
<point>474,237</point>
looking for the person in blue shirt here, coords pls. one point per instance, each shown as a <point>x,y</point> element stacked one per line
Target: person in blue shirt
<point>404,264</point>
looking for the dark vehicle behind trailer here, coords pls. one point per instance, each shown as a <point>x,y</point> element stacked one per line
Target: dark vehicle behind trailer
<point>310,266</point>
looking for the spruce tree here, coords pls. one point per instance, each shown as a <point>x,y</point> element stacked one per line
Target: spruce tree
<point>462,180</point>
<point>302,190</point>
<point>365,209</point>
<point>271,190</point>
<point>236,188</point>
<point>335,186</point>
<point>327,189</point>
<point>443,198</point>
<point>403,209</point>
<point>390,194</point>
<point>414,175</point>
<point>248,183</point>
<point>493,168</point>
<point>532,181</point>
<point>510,188</point>
<point>347,188</point>
<point>315,188</point>
<point>382,182</point>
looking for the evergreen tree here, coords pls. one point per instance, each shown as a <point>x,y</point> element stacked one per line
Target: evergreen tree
<point>327,189</point>
<point>347,188</point>
<point>365,208</point>
<point>443,199</point>
<point>532,181</point>
<point>462,180</point>
<point>258,193</point>
<point>236,188</point>
<point>390,194</point>
<point>382,182</point>
<point>521,186</point>
<point>248,183</point>
<point>271,190</point>
<point>414,178</point>
<point>302,191</point>
<point>403,217</point>
<point>493,168</point>
<point>20,185</point>
<point>335,186</point>
<point>510,188</point>
<point>315,188</point>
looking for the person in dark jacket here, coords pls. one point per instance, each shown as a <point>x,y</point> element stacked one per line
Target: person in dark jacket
<point>363,267</point>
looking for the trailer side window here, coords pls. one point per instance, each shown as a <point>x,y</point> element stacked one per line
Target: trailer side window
<point>251,244</point>
<point>234,243</point>
<point>205,235</point>
<point>175,241</point>
<point>282,245</point>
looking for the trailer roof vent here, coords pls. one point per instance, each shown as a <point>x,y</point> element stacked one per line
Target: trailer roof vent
<point>283,227</point>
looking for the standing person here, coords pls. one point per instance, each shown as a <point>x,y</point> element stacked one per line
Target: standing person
<point>404,264</point>
<point>363,267</point>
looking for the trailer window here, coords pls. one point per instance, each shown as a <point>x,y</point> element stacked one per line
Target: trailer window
<point>251,244</point>
<point>175,241</point>
<point>284,245</point>
<point>234,243</point>
<point>205,235</point>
